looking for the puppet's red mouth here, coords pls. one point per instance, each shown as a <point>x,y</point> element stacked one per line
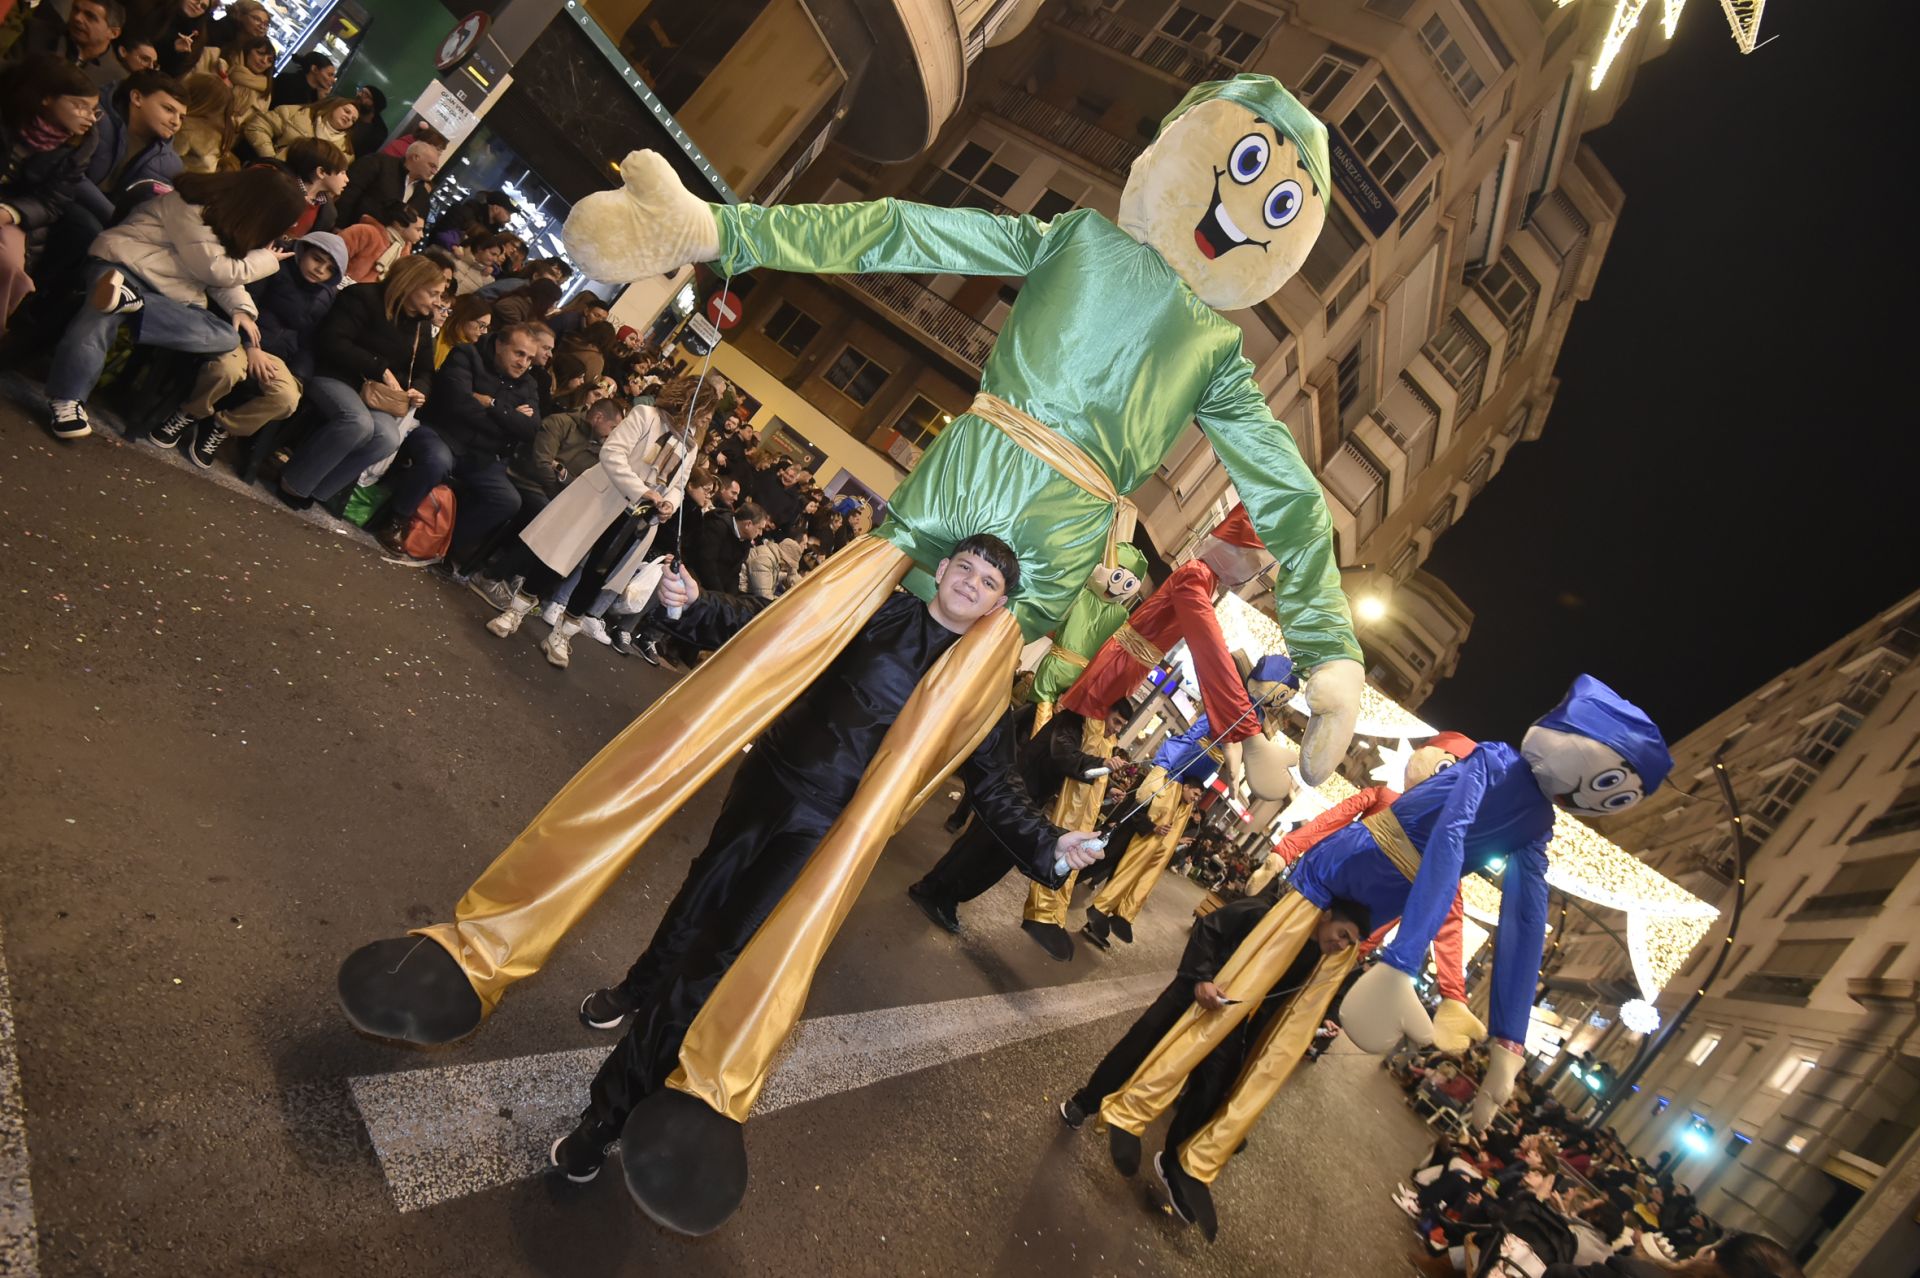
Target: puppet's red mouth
<point>1216,232</point>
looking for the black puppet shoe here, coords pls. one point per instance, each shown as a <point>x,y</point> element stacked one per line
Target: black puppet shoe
<point>1050,937</point>
<point>581,1153</point>
<point>685,1163</point>
<point>409,990</point>
<point>1124,1148</point>
<point>1097,928</point>
<point>1191,1200</point>
<point>1122,929</point>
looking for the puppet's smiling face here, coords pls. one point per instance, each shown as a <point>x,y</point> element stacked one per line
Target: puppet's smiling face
<point>1224,197</point>
<point>1580,774</point>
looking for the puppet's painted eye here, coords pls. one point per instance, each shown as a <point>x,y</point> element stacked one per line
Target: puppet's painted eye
<point>1444,764</point>
<point>1249,159</point>
<point>1620,800</point>
<point>1283,203</point>
<point>1611,779</point>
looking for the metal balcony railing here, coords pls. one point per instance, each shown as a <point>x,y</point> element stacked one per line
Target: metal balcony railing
<point>1066,130</point>
<point>1181,61</point>
<point>927,313</point>
<point>1841,905</point>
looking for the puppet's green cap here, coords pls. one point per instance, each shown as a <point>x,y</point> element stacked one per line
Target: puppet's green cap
<point>1132,560</point>
<point>1262,95</point>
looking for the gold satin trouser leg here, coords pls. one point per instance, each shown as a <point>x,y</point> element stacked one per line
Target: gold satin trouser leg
<point>1256,964</point>
<point>522,904</point>
<point>732,1042</point>
<point>1136,876</point>
<point>1049,905</point>
<point>1269,1065</point>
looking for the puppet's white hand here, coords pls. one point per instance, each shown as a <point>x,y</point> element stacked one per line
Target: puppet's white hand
<point>1381,1007</point>
<point>1269,767</point>
<point>1455,1027</point>
<point>1333,696</point>
<point>1235,757</point>
<point>652,225</point>
<point>1503,1064</point>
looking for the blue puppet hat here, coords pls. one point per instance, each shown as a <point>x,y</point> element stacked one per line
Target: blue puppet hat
<point>1592,709</point>
<point>1275,667</point>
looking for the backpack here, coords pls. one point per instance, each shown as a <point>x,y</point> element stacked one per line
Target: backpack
<point>430,533</point>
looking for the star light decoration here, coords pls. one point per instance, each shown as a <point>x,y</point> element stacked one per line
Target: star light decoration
<point>1743,17</point>
<point>1391,771</point>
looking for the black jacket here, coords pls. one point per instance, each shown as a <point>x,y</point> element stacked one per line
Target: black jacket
<point>291,312</point>
<point>718,554</point>
<point>357,342</point>
<point>376,181</point>
<point>291,86</point>
<point>41,185</point>
<point>468,426</point>
<point>820,745</point>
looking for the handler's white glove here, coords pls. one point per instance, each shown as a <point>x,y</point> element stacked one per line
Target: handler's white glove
<point>1503,1064</point>
<point>1381,1007</point>
<point>1333,697</point>
<point>652,225</point>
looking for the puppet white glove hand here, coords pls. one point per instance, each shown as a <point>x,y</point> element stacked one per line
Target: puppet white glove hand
<point>1235,756</point>
<point>1381,1007</point>
<point>1503,1065</point>
<point>1455,1027</point>
<point>652,225</point>
<point>1333,697</point>
<point>1269,767</point>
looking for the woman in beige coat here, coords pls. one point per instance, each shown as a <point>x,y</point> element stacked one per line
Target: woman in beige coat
<point>330,120</point>
<point>643,466</point>
<point>206,136</point>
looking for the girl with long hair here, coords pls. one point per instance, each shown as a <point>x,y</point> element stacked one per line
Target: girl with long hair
<point>206,136</point>
<point>164,268</point>
<point>46,111</point>
<point>330,119</point>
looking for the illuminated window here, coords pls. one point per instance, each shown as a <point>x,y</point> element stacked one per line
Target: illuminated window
<point>921,422</point>
<point>1703,1048</point>
<point>1791,1073</point>
<point>1796,1142</point>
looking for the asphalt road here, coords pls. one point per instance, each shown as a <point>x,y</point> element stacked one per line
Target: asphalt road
<point>235,744</point>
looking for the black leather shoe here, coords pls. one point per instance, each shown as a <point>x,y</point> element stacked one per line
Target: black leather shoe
<point>409,990</point>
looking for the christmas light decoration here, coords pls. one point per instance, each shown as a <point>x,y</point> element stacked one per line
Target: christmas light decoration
<point>1670,17</point>
<point>1391,771</point>
<point>1639,1016</point>
<point>1626,16</point>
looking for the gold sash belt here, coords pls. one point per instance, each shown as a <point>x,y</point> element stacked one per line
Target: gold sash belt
<point>1069,656</point>
<point>1136,646</point>
<point>1392,838</point>
<point>1066,458</point>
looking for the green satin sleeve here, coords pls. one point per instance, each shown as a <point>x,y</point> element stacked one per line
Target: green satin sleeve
<point>875,235</point>
<point>1089,623</point>
<point>1288,511</point>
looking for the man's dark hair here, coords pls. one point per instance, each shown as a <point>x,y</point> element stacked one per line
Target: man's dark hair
<point>531,331</point>
<point>146,84</point>
<point>750,511</point>
<point>996,552</point>
<point>609,405</point>
<point>1754,1256</point>
<point>128,43</point>
<point>313,60</point>
<point>116,14</point>
<point>1345,907</point>
<point>395,213</point>
<point>373,91</point>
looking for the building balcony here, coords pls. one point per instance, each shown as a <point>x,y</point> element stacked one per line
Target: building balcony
<point>1840,905</point>
<point>1175,60</point>
<point>1059,127</point>
<point>957,334</point>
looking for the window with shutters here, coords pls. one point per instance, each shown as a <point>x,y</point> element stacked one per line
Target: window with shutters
<point>1562,229</point>
<point>1359,483</point>
<point>1387,138</point>
<point>1509,292</point>
<point>1408,418</point>
<point>1858,888</point>
<point>1461,355</point>
<point>1791,972</point>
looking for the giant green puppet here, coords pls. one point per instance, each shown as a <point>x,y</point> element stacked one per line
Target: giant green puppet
<point>1115,344</point>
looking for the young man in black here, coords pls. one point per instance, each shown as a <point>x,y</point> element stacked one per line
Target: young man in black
<point>1211,944</point>
<point>801,773</point>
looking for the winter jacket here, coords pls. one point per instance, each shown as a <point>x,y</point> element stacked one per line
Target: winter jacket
<point>634,460</point>
<point>167,243</point>
<point>252,95</point>
<point>116,186</point>
<point>39,186</point>
<point>565,449</point>
<point>772,567</point>
<point>371,250</point>
<point>376,181</point>
<point>468,275</point>
<point>290,314</point>
<point>290,87</point>
<point>467,425</point>
<point>203,146</point>
<point>272,132</point>
<point>720,555</point>
<point>357,342</point>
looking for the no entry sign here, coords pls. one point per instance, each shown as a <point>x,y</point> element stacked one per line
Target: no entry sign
<point>724,309</point>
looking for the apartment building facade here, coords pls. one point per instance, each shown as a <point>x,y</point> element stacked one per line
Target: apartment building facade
<point>1792,1088</point>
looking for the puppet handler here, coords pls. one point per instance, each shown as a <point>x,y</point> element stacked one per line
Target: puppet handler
<point>1594,754</point>
<point>1111,350</point>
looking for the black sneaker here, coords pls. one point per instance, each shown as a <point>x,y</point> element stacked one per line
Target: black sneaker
<point>604,1009</point>
<point>648,649</point>
<point>67,419</point>
<point>1124,1148</point>
<point>169,433</point>
<point>1190,1199</point>
<point>1050,937</point>
<point>207,438</point>
<point>290,498</point>
<point>1071,1114</point>
<point>623,644</point>
<point>1121,928</point>
<point>939,912</point>
<point>579,1154</point>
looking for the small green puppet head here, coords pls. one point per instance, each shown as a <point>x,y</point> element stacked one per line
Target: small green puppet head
<point>1233,191</point>
<point>1119,582</point>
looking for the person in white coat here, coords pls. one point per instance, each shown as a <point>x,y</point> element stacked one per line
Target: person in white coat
<point>169,263</point>
<point>642,473</point>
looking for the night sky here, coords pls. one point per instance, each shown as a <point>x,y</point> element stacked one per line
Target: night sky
<point>1725,483</point>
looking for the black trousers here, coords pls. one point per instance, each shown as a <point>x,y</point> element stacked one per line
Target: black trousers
<point>974,863</point>
<point>763,837</point>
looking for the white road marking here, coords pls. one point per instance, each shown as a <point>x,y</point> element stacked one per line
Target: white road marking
<point>19,1237</point>
<point>454,1130</point>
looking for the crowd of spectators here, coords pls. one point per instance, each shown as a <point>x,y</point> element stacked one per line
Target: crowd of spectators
<point>1544,1192</point>
<point>255,255</point>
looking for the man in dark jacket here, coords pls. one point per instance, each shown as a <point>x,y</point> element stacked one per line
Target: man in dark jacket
<point>1212,942</point>
<point>483,408</point>
<point>306,81</point>
<point>370,132</point>
<point>85,38</point>
<point>376,182</point>
<point>725,538</point>
<point>134,147</point>
<point>1048,759</point>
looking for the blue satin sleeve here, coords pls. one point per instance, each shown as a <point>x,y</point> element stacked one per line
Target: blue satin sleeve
<point>1523,935</point>
<point>1443,853</point>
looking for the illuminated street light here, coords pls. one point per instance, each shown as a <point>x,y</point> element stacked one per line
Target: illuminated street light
<point>1369,607</point>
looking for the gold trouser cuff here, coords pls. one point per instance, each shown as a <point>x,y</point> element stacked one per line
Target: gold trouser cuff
<point>548,877</point>
<point>731,1044</point>
<point>1268,1065</point>
<point>1135,645</point>
<point>1248,975</point>
<point>1066,458</point>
